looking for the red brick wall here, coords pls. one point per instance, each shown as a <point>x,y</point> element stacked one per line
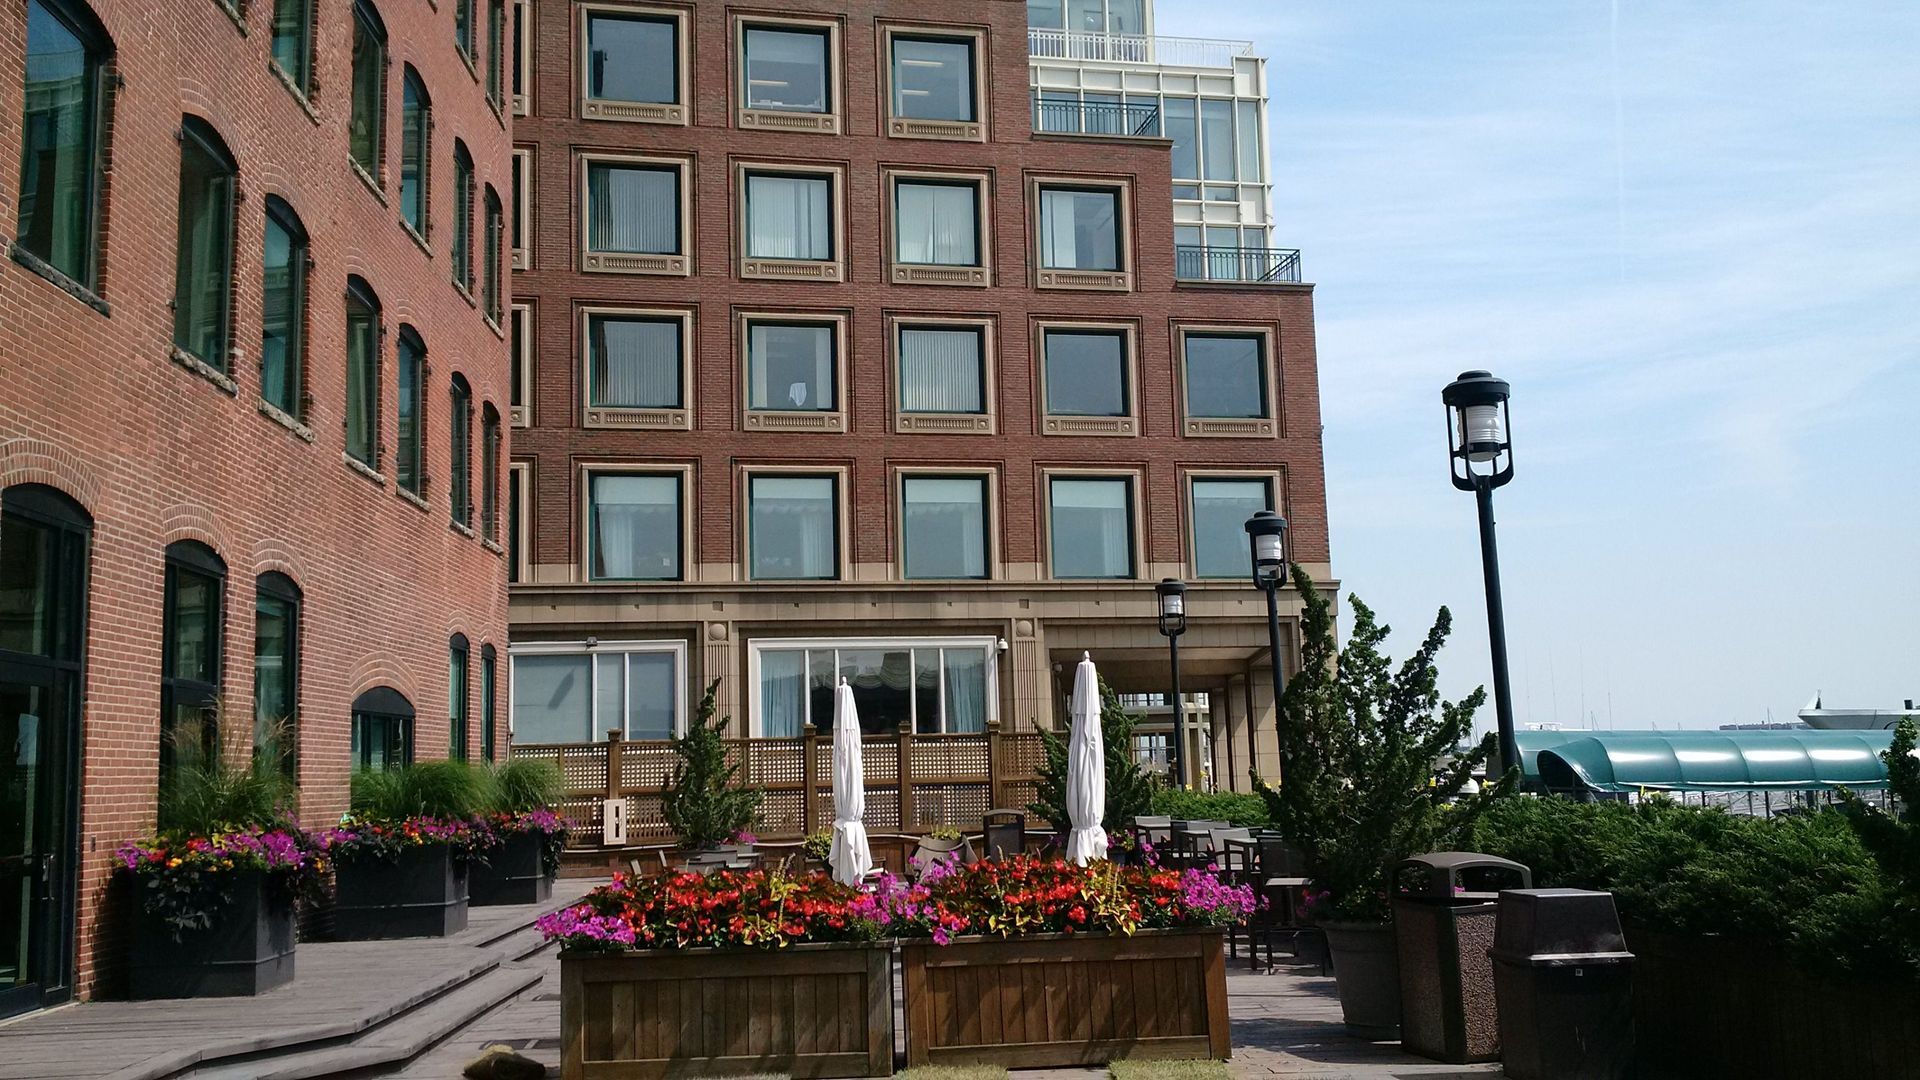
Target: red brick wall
<point>869,447</point>
<point>91,403</point>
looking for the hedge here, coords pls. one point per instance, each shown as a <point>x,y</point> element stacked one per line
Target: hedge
<point>1240,809</point>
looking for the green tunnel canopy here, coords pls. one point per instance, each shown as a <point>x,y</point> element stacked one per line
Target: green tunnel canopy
<point>1615,761</point>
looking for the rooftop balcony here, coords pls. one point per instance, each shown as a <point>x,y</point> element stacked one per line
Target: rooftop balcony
<point>1236,265</point>
<point>1135,48</point>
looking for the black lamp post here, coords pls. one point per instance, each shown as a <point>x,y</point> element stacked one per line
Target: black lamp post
<point>1267,533</point>
<point>1481,459</point>
<point>1173,623</point>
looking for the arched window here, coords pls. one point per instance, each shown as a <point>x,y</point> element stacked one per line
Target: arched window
<point>60,137</point>
<point>382,729</point>
<point>489,693</point>
<point>416,138</point>
<point>192,622</point>
<point>457,698</point>
<point>364,336</point>
<point>490,258</point>
<point>276,671</point>
<point>283,310</point>
<point>462,253</point>
<point>490,473</point>
<point>460,451</point>
<point>367,123</point>
<point>203,259</point>
<point>410,464</point>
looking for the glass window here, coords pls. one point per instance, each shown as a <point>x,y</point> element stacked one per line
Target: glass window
<point>496,48</point>
<point>190,653</point>
<point>1247,135</point>
<point>933,78</point>
<point>490,259</point>
<point>1126,17</point>
<point>930,688</point>
<point>203,266</point>
<point>363,372</point>
<point>786,70</point>
<point>1086,16</point>
<point>1091,527</point>
<point>369,88</point>
<point>460,451</point>
<point>1044,15</point>
<point>1101,114</point>
<point>1181,116</point>
<point>490,473</point>
<point>1221,508</point>
<point>579,697</point>
<point>415,124</point>
<point>790,367</point>
<point>1216,139</point>
<point>382,731</point>
<point>633,208</point>
<point>634,362</point>
<point>522,163</point>
<point>1079,230</point>
<point>1226,375</point>
<point>293,41</point>
<point>793,526</point>
<point>519,331</point>
<point>410,463</point>
<point>463,27</point>
<point>461,253</point>
<point>789,217</point>
<point>1086,372</point>
<point>283,309</point>
<point>633,58</point>
<point>634,527</point>
<point>489,725</point>
<point>522,51</point>
<point>1056,110</point>
<point>60,140</point>
<point>944,526</point>
<point>276,671</point>
<point>942,369</point>
<point>936,224</point>
<point>457,698</point>
<point>514,497</point>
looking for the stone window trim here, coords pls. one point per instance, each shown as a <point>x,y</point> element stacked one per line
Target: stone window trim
<point>522,545</point>
<point>1121,280</point>
<point>775,269</point>
<point>522,13</point>
<point>1276,481</point>
<point>979,275</point>
<point>842,477</point>
<point>584,470</point>
<point>1053,424</point>
<point>897,489</point>
<point>678,113</point>
<point>1201,427</point>
<point>833,421</point>
<point>595,262</point>
<point>982,423</point>
<point>1134,476</point>
<point>523,208</point>
<point>631,419</point>
<point>521,415</point>
<point>975,130</point>
<point>830,122</point>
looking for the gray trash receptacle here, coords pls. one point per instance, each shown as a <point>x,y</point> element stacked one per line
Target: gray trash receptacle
<point>1563,976</point>
<point>1443,923</point>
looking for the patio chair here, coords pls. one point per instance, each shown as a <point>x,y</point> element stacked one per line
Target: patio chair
<point>1279,877</point>
<point>1156,830</point>
<point>1004,833</point>
<point>1189,838</point>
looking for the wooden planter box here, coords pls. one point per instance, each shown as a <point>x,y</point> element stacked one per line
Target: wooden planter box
<point>512,874</point>
<point>247,950</point>
<point>422,893</point>
<point>806,1011</point>
<point>1066,1000</point>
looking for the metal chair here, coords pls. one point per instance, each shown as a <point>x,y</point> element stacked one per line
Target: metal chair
<point>1279,878</point>
<point>1154,829</point>
<point>1004,833</point>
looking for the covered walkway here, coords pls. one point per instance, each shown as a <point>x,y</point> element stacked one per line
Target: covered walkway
<point>1616,762</point>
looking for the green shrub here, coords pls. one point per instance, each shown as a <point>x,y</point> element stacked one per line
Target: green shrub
<point>445,789</point>
<point>1130,788</point>
<point>1240,809</point>
<point>704,803</point>
<point>203,793</point>
<point>521,784</point>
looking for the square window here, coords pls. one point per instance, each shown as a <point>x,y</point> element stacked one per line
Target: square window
<point>632,58</point>
<point>634,362</point>
<point>936,222</point>
<point>943,369</point>
<point>1086,373</point>
<point>789,217</point>
<point>792,367</point>
<point>1218,516</point>
<point>943,527</point>
<point>1090,526</point>
<point>634,527</point>
<point>793,528</point>
<point>634,218</point>
<point>786,69</point>
<point>933,86</point>
<point>1079,229</point>
<point>1226,376</point>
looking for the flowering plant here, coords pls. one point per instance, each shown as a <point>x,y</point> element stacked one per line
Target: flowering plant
<point>1135,845</point>
<point>690,911</point>
<point>184,881</point>
<point>551,828</point>
<point>354,839</point>
<point>1034,895</point>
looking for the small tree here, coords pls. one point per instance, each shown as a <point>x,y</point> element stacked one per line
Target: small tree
<point>1893,837</point>
<point>1360,744</point>
<point>701,803</point>
<point>1129,787</point>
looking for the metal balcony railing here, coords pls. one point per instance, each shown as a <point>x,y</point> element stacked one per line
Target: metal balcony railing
<point>1202,262</point>
<point>1097,118</point>
<point>1135,48</point>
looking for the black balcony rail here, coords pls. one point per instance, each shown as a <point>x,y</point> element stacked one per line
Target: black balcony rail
<point>1204,262</point>
<point>1132,118</point>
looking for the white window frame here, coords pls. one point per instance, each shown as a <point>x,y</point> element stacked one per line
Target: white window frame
<point>521,312</point>
<point>756,646</point>
<point>781,269</point>
<point>590,649</point>
<point>523,207</point>
<point>523,49</point>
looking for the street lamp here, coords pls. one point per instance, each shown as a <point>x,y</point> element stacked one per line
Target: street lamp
<point>1267,532</point>
<point>1481,458</point>
<point>1173,623</point>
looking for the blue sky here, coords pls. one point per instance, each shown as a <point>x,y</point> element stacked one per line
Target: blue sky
<point>1689,235</point>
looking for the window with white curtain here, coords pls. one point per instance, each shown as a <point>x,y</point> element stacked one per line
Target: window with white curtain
<point>786,69</point>
<point>1090,524</point>
<point>1086,372</point>
<point>933,78</point>
<point>793,528</point>
<point>935,686</point>
<point>634,361</point>
<point>633,526</point>
<point>633,208</point>
<point>1079,228</point>
<point>571,694</point>
<point>943,526</point>
<point>1221,507</point>
<point>936,223</point>
<point>1226,375</point>
<point>790,367</point>
<point>633,57</point>
<point>942,369</point>
<point>789,217</point>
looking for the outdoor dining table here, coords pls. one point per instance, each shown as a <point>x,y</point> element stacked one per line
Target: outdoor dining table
<point>1189,845</point>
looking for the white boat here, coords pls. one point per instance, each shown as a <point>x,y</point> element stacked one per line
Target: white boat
<point>1817,715</point>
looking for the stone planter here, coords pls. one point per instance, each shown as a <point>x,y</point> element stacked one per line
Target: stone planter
<point>512,874</point>
<point>1366,965</point>
<point>247,950</point>
<point>421,893</point>
<point>806,1010</point>
<point>1055,1000</point>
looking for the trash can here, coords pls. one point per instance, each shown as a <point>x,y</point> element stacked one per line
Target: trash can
<point>1563,977</point>
<point>1443,925</point>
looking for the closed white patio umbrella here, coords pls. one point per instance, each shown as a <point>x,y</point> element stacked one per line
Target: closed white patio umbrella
<point>1086,768</point>
<point>849,858</point>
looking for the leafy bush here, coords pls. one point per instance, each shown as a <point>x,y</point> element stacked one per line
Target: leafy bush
<point>430,789</point>
<point>703,803</point>
<point>1129,787</point>
<point>1893,840</point>
<point>1237,808</point>
<point>521,784</point>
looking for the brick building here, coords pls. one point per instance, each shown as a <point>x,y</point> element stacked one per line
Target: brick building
<point>829,364</point>
<point>253,387</point>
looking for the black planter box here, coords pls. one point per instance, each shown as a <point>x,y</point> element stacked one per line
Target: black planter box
<point>422,893</point>
<point>512,874</point>
<point>247,950</point>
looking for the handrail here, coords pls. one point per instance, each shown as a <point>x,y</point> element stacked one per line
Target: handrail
<point>1134,118</point>
<point>1135,48</point>
<point>1204,262</point>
